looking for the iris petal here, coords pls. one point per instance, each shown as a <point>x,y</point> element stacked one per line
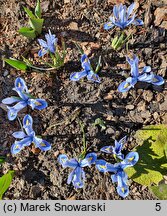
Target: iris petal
<point>88,160</point>
<point>19,135</point>
<point>101,165</point>
<point>106,149</point>
<point>10,100</point>
<point>78,75</point>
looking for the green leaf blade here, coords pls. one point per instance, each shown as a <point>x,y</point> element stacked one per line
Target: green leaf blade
<point>5,182</point>
<point>36,24</point>
<point>27,32</point>
<point>16,64</point>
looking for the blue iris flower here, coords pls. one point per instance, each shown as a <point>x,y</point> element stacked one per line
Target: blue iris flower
<point>77,176</point>
<point>48,45</point>
<point>88,72</point>
<point>116,150</point>
<point>122,17</point>
<point>119,176</point>
<point>27,136</point>
<point>23,100</point>
<point>145,76</point>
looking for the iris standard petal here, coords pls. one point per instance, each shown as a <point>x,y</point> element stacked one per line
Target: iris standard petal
<point>101,165</point>
<point>118,147</point>
<point>19,134</point>
<point>93,77</point>
<point>44,145</point>
<point>38,104</point>
<point>115,11</point>
<point>146,69</point>
<point>78,75</point>
<point>85,62</point>
<point>106,149</point>
<point>108,25</point>
<point>42,43</point>
<point>130,21</point>
<point>88,160</point>
<point>131,158</point>
<point>11,100</point>
<point>62,159</point>
<point>20,84</point>
<point>130,10</point>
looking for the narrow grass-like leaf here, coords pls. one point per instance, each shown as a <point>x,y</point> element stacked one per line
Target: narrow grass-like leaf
<point>29,12</point>
<point>5,182</point>
<point>38,9</point>
<point>98,65</point>
<point>16,64</point>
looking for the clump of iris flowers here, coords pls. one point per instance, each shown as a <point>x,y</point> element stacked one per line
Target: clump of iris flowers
<point>23,100</point>
<point>27,137</point>
<point>119,176</point>
<point>146,75</point>
<point>122,18</point>
<point>77,175</point>
<point>50,47</point>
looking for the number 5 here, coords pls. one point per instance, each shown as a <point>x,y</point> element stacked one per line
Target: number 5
<point>158,207</point>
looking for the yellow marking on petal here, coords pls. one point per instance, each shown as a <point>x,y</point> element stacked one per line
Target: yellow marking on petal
<point>126,85</point>
<point>27,122</point>
<point>86,60</point>
<point>43,144</point>
<point>102,166</point>
<point>130,159</point>
<point>89,159</point>
<point>19,85</point>
<point>109,24</point>
<point>17,147</point>
<point>123,190</point>
<point>108,149</point>
<point>11,114</point>
<point>154,79</point>
<point>37,103</point>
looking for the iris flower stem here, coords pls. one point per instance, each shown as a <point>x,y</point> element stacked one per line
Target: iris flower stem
<point>20,123</point>
<point>83,140</point>
<point>42,69</point>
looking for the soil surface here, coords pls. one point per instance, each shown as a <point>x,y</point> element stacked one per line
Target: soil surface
<point>38,175</point>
